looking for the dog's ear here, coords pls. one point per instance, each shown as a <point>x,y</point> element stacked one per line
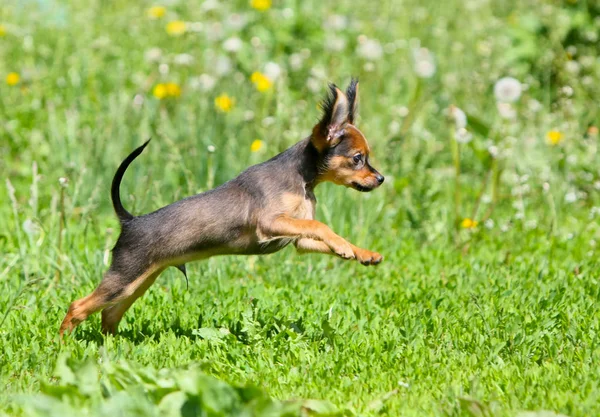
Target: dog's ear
<point>329,130</point>
<point>352,94</point>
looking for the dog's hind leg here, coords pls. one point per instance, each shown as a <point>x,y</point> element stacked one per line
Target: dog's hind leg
<point>112,315</point>
<point>114,289</point>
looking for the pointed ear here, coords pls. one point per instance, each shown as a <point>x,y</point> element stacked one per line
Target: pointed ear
<point>352,94</point>
<point>335,107</point>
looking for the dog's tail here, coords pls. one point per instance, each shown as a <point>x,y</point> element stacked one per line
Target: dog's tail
<point>123,214</point>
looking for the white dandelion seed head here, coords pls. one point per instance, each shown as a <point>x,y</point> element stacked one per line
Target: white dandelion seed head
<point>335,43</point>
<point>572,67</point>
<point>248,115</point>
<point>394,127</point>
<point>463,135</point>
<point>255,41</point>
<point>459,116</point>
<point>183,59</point>
<point>233,44</point>
<point>369,49</point>
<point>236,21</point>
<point>272,70</point>
<point>209,5</point>
<point>494,151</point>
<point>296,61</point>
<point>336,22</point>
<point>534,105</point>
<point>31,228</point>
<point>163,69</point>
<point>570,197</point>
<point>153,55</point>
<point>138,101</point>
<point>211,148</point>
<point>424,62</point>
<point>506,110</point>
<point>489,224</point>
<point>507,90</point>
<point>313,84</point>
<point>222,65</point>
<point>64,182</point>
<point>402,111</point>
<point>204,82</point>
<point>567,90</point>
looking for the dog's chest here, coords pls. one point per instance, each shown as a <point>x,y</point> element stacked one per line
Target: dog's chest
<point>299,206</point>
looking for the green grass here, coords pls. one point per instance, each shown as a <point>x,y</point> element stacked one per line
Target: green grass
<point>490,320</point>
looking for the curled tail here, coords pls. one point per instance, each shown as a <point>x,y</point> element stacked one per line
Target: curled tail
<point>123,214</point>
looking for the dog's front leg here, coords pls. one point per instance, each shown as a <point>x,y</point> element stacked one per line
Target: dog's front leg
<point>286,226</point>
<point>364,256</point>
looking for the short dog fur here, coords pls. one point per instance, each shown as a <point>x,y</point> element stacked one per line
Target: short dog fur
<point>265,208</point>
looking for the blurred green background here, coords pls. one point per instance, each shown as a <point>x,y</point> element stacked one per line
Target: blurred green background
<point>483,116</point>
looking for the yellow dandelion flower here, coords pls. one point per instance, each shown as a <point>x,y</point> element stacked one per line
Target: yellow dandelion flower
<point>2,30</point>
<point>173,89</point>
<point>260,5</point>
<point>176,28</point>
<point>468,223</point>
<point>256,145</point>
<point>156,12</point>
<point>12,78</point>
<point>224,103</point>
<point>554,137</point>
<point>261,81</point>
<point>160,91</point>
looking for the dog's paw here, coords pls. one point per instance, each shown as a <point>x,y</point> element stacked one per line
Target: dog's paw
<point>342,249</point>
<point>366,257</point>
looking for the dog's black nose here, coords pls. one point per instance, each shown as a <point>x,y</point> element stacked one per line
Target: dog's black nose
<point>380,178</point>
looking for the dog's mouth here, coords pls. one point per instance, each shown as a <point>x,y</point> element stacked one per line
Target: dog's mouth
<point>361,188</point>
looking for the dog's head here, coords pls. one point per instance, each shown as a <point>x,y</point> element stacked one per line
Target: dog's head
<point>343,148</point>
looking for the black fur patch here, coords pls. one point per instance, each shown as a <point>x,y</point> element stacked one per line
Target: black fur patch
<point>327,106</point>
<point>351,93</point>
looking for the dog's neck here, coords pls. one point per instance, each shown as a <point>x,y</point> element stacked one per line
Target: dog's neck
<point>308,161</point>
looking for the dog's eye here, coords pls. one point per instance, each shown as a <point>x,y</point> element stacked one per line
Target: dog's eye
<point>357,158</point>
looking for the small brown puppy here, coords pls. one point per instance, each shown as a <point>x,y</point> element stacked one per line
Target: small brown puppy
<point>265,208</point>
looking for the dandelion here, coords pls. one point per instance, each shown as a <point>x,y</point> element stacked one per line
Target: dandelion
<point>224,103</point>
<point>507,90</point>
<point>424,62</point>
<point>156,12</point>
<point>204,82</point>
<point>153,54</point>
<point>459,116</point>
<point>570,197</point>
<point>232,44</point>
<point>272,70</point>
<point>173,89</point>
<point>2,30</point>
<point>183,59</point>
<point>369,49</point>
<point>12,78</point>
<point>506,111</point>
<point>260,5</point>
<point>554,137</point>
<point>160,91</point>
<point>256,145</point>
<point>176,28</point>
<point>463,135</point>
<point>261,81</point>
<point>468,223</point>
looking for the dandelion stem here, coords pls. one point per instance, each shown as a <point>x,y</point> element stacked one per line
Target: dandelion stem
<point>456,162</point>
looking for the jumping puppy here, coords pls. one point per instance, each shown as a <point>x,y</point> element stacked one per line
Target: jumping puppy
<point>265,208</point>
